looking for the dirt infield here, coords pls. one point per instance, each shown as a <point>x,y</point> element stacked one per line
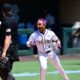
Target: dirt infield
<point>28,58</point>
<point>35,57</point>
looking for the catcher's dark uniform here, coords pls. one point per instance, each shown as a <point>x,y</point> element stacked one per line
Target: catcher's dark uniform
<point>8,27</point>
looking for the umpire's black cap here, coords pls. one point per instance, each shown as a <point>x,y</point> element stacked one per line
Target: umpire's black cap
<point>6,8</point>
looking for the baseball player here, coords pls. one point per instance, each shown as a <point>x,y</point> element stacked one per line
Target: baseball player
<point>44,39</point>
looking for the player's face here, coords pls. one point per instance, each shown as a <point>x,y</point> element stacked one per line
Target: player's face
<point>40,25</point>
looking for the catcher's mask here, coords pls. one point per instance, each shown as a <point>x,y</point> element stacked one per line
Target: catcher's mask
<point>7,9</point>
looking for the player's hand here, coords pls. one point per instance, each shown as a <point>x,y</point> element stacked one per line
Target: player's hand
<point>29,44</point>
<point>59,45</point>
<point>32,44</point>
<point>3,56</point>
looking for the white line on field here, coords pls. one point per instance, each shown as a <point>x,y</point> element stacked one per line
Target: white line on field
<point>54,72</point>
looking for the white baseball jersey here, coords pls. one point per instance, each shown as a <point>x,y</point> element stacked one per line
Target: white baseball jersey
<point>42,41</point>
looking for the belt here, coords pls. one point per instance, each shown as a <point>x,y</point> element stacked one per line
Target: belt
<point>48,51</point>
<point>45,52</point>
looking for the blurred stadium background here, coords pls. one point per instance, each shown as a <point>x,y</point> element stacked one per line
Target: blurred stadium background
<point>66,15</point>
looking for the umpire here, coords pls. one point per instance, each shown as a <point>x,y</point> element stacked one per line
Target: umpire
<point>8,39</point>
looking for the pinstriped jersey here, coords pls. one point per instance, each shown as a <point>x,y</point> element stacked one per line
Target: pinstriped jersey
<point>42,41</point>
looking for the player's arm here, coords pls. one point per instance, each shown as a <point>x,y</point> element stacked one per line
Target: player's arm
<point>7,40</point>
<point>58,43</point>
<point>56,40</point>
<point>31,41</point>
<point>6,46</point>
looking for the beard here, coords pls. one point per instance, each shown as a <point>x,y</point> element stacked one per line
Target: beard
<point>42,30</point>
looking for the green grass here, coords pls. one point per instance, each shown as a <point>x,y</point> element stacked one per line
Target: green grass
<point>34,66</point>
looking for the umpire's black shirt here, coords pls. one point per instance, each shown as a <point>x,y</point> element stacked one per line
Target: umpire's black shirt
<point>8,27</point>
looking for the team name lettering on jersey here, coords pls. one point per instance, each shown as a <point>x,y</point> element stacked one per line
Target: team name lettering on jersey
<point>44,42</point>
